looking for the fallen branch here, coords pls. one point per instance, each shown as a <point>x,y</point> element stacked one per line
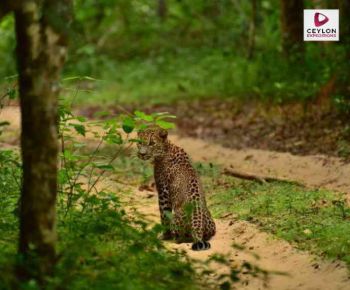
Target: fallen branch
<point>259,178</point>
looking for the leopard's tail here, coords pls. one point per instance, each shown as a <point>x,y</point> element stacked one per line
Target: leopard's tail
<point>201,246</point>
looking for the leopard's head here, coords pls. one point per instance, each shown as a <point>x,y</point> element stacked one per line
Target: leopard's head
<point>152,143</point>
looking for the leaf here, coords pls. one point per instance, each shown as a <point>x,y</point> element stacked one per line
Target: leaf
<point>101,114</point>
<point>81,118</point>
<point>80,78</point>
<point>143,127</point>
<point>143,116</point>
<point>4,123</point>
<point>105,167</point>
<point>113,138</point>
<point>80,129</point>
<point>225,286</point>
<point>71,78</point>
<point>128,125</point>
<point>163,115</point>
<point>234,275</point>
<point>135,140</point>
<point>11,92</point>
<point>68,155</point>
<point>160,114</point>
<point>166,117</point>
<point>165,124</point>
<point>62,176</point>
<point>90,78</point>
<point>79,145</point>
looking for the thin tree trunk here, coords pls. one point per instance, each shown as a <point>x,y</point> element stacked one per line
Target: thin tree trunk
<point>41,51</point>
<point>292,29</point>
<point>8,6</point>
<point>342,83</point>
<point>344,10</point>
<point>252,30</point>
<point>162,9</point>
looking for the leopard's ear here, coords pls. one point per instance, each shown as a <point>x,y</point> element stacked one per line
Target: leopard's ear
<point>163,133</point>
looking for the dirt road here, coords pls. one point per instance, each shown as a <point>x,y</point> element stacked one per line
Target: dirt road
<point>304,271</point>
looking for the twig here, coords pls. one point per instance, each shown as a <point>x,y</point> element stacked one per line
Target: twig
<point>259,178</point>
<point>109,163</point>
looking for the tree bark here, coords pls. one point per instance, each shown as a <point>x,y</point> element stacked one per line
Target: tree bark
<point>41,32</point>
<point>7,6</point>
<point>344,11</point>
<point>342,83</point>
<point>162,9</point>
<point>292,28</point>
<point>252,30</point>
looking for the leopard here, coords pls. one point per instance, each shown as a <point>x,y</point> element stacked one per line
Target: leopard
<point>184,214</point>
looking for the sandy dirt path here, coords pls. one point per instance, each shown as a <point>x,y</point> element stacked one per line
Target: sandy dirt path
<point>314,171</point>
<point>305,271</point>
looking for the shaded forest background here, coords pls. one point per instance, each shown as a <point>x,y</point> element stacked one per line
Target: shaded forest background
<point>158,51</point>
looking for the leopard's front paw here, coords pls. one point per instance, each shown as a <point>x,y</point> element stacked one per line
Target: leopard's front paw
<point>201,246</point>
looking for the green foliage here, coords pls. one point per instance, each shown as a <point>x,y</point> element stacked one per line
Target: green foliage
<point>198,50</point>
<point>10,179</point>
<point>101,247</point>
<point>84,162</point>
<point>205,72</point>
<point>7,47</point>
<point>156,119</point>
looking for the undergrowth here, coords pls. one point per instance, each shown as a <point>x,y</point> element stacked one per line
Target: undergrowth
<point>100,245</point>
<point>316,220</point>
<point>203,73</point>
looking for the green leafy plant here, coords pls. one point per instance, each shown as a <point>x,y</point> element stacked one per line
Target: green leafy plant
<point>101,246</point>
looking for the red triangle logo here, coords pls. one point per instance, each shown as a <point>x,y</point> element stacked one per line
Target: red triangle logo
<point>319,22</point>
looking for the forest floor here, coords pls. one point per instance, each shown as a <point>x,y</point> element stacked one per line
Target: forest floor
<point>303,269</point>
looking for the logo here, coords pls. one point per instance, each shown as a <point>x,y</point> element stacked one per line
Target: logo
<point>321,24</point>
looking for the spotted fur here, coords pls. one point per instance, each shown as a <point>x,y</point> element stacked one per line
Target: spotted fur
<point>182,204</point>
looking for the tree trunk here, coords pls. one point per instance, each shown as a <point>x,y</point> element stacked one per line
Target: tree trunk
<point>162,9</point>
<point>252,30</point>
<point>344,10</point>
<point>343,84</point>
<point>292,29</point>
<point>41,28</point>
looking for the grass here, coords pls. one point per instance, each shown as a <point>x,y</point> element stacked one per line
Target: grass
<point>313,220</point>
